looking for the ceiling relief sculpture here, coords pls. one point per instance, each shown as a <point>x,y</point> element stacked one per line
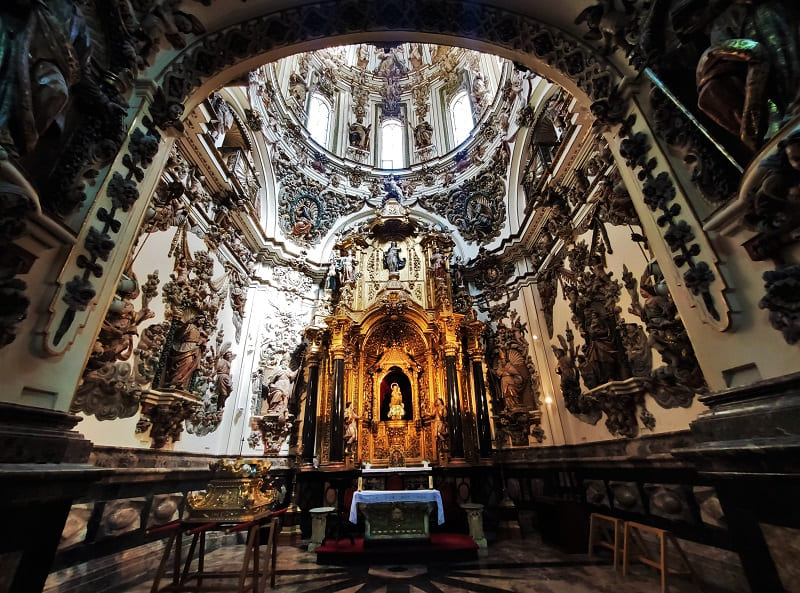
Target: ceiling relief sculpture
<point>476,207</point>
<point>307,211</point>
<point>375,83</point>
<point>583,64</point>
<point>322,180</point>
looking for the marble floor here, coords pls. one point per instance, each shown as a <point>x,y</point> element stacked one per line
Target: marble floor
<point>526,565</point>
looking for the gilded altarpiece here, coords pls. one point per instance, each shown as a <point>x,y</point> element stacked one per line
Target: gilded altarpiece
<point>392,327</point>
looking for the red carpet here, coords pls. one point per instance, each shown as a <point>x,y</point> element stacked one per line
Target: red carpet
<point>443,547</point>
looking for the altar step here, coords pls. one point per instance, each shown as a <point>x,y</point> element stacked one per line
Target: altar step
<point>442,547</point>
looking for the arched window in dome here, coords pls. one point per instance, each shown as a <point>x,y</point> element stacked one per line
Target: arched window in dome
<point>461,117</point>
<point>392,149</point>
<point>319,119</point>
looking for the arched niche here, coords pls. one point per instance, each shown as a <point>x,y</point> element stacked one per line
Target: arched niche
<point>396,366</point>
<point>395,381</point>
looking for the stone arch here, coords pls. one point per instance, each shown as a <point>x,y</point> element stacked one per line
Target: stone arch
<point>233,49</point>
<point>184,78</point>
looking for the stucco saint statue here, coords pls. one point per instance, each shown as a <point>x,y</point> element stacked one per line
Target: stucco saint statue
<point>280,384</point>
<point>438,268</point>
<point>224,378</point>
<point>185,355</point>
<point>350,428</point>
<point>347,266</point>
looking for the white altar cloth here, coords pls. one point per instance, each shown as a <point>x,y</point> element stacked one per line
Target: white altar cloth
<point>371,496</point>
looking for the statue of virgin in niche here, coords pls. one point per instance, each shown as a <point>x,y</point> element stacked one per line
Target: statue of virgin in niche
<point>397,409</point>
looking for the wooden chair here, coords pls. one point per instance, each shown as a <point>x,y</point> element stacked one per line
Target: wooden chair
<point>250,577</point>
<point>338,525</point>
<point>633,537</point>
<point>606,532</point>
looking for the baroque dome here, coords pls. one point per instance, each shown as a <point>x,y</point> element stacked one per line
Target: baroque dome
<point>390,106</point>
<point>346,125</point>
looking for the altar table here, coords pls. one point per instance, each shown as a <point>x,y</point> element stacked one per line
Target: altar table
<point>396,514</point>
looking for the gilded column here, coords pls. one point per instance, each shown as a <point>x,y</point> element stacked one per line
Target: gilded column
<point>314,336</point>
<point>339,349</point>
<point>476,355</point>
<point>454,406</point>
<point>337,407</point>
<point>482,409</point>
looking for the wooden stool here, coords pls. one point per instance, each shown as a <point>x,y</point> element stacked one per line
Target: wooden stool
<point>601,525</point>
<point>633,530</point>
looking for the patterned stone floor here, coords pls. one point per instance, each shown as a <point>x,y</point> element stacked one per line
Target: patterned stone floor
<point>514,566</point>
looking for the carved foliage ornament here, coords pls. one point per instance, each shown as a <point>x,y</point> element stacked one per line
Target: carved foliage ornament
<point>121,193</point>
<point>490,274</point>
<point>275,381</point>
<point>615,361</point>
<point>109,388</point>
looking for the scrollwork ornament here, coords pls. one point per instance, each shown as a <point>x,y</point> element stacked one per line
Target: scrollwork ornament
<point>781,299</point>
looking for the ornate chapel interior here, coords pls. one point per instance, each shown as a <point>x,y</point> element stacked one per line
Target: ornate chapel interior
<point>549,250</point>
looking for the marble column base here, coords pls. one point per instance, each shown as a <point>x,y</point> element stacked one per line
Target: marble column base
<point>475,522</point>
<point>319,524</point>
